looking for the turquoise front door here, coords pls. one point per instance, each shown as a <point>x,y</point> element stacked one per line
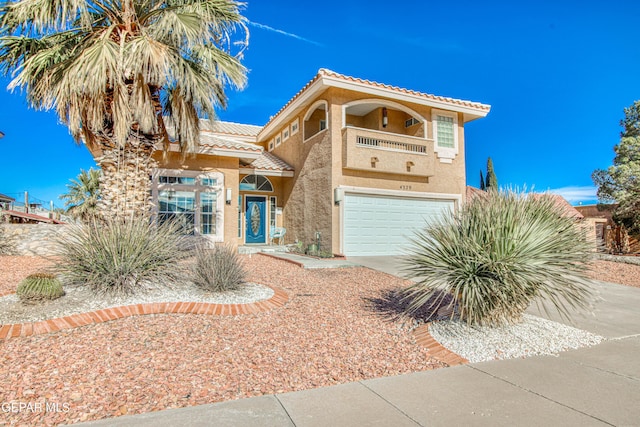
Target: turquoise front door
<point>255,208</point>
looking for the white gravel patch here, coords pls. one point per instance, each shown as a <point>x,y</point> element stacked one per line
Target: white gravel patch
<point>81,300</point>
<point>534,336</point>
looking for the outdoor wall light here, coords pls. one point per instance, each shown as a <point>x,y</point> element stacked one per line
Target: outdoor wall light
<point>385,119</point>
<point>374,160</point>
<point>228,198</point>
<point>337,196</point>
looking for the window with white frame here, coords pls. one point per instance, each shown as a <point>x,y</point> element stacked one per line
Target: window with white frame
<point>410,122</point>
<point>255,183</point>
<point>285,134</point>
<point>445,134</point>
<point>191,198</point>
<point>278,139</point>
<point>295,126</point>
<point>271,145</point>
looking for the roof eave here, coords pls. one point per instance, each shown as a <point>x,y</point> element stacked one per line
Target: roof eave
<point>323,82</point>
<point>267,172</point>
<point>310,92</point>
<point>471,112</point>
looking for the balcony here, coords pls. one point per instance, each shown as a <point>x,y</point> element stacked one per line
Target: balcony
<point>384,152</point>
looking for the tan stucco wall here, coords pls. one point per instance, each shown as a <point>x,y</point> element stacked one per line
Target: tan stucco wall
<point>307,198</point>
<point>447,178</point>
<point>226,165</point>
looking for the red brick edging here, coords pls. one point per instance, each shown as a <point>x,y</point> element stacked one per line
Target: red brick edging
<point>278,299</point>
<point>436,350</point>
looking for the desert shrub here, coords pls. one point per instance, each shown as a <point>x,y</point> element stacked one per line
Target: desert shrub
<point>38,287</point>
<point>498,253</point>
<point>7,242</point>
<point>218,269</point>
<point>121,257</point>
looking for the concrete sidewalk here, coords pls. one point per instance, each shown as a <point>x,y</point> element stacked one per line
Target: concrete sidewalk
<point>587,387</point>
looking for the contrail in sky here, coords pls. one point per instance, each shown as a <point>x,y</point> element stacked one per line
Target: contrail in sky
<point>284,33</point>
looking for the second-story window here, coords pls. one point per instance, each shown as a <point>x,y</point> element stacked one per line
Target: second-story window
<point>445,136</point>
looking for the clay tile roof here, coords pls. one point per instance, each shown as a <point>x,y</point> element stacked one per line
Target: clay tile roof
<point>325,72</point>
<point>229,128</point>
<point>472,192</point>
<point>6,198</point>
<point>566,207</point>
<point>268,161</point>
<point>328,73</point>
<point>220,142</point>
<point>31,217</point>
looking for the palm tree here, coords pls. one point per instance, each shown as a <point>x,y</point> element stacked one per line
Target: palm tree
<point>84,193</point>
<point>119,73</point>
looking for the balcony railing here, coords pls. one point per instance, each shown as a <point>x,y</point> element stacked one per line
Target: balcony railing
<point>385,152</point>
<point>365,141</point>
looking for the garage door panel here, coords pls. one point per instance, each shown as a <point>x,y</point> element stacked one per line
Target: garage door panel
<point>384,225</point>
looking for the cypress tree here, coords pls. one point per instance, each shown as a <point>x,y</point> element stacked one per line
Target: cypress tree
<point>482,186</point>
<point>492,180</point>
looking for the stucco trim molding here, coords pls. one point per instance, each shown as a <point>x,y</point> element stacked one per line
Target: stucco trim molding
<point>264,172</point>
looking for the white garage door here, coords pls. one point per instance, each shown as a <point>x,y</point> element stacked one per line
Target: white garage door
<point>382,225</point>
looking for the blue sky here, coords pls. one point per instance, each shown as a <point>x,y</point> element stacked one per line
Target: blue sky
<point>556,73</point>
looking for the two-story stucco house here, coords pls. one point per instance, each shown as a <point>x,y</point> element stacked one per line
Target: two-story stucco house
<point>356,163</point>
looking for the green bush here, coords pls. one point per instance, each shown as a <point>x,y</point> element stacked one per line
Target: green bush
<point>38,287</point>
<point>218,269</point>
<point>121,257</point>
<point>498,253</point>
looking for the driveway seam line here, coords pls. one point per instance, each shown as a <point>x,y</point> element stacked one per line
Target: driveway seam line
<point>385,400</point>
<point>541,395</point>
<point>285,410</point>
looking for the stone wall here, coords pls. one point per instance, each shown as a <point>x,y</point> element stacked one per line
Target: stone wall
<point>33,239</point>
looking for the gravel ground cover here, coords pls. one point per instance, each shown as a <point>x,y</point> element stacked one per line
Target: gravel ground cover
<point>81,300</point>
<point>328,333</point>
<point>534,336</point>
<point>616,272</point>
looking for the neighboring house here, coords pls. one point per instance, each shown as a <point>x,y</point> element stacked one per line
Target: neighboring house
<point>6,202</point>
<point>355,164</point>
<point>610,236</point>
<point>17,217</point>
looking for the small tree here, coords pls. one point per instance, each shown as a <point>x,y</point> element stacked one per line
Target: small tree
<point>84,192</point>
<point>491,181</point>
<point>621,182</point>
<point>483,187</point>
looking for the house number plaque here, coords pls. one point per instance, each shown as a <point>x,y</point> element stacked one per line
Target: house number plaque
<point>405,187</point>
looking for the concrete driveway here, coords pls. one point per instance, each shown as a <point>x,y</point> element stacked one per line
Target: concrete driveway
<point>386,264</point>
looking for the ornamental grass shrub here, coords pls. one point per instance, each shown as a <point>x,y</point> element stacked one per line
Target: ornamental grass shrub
<point>497,254</point>
<point>218,269</point>
<point>121,257</point>
<point>39,287</point>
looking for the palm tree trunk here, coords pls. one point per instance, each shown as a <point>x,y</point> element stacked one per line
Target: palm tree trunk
<point>125,185</point>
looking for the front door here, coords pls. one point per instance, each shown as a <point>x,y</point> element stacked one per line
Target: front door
<point>255,209</point>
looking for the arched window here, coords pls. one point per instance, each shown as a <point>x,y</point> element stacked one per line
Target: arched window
<point>255,183</point>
